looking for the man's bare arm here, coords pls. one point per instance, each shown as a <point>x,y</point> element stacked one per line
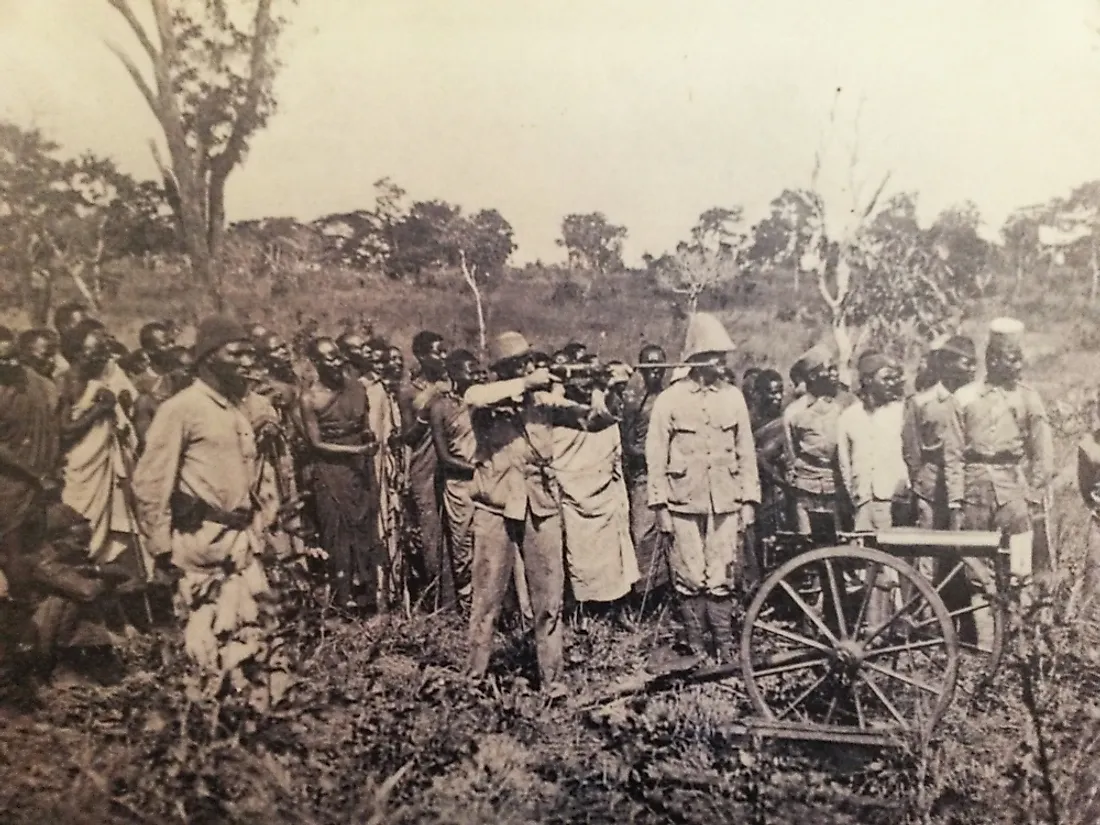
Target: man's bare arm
<point>312,431</point>
<point>447,458</point>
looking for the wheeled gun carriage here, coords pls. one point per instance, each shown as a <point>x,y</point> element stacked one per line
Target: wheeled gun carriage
<point>861,637</point>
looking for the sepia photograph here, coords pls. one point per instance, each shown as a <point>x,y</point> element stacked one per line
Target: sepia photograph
<point>508,412</point>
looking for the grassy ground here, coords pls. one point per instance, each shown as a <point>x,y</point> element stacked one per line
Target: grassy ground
<point>382,730</point>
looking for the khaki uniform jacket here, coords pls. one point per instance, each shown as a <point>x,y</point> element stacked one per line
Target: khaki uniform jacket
<point>927,415</point>
<point>1002,436</point>
<point>700,450</point>
<point>513,454</point>
<point>810,432</point>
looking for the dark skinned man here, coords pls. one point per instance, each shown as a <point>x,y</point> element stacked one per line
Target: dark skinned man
<point>380,375</point>
<point>99,449</point>
<point>633,427</point>
<point>339,441</point>
<point>156,342</point>
<point>415,397</point>
<point>455,446</point>
<point>928,413</point>
<point>38,350</point>
<point>29,454</point>
<point>771,462</point>
<point>998,459</point>
<point>810,426</point>
<point>193,486</point>
<point>66,318</point>
<point>279,383</point>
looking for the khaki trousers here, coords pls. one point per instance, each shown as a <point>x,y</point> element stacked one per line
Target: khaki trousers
<point>706,552</point>
<point>496,542</point>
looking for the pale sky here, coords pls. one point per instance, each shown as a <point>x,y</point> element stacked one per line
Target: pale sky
<point>647,110</point>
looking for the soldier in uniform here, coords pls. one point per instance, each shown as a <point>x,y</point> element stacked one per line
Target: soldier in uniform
<point>517,502</point>
<point>928,413</point>
<point>998,454</point>
<point>810,427</point>
<point>704,485</point>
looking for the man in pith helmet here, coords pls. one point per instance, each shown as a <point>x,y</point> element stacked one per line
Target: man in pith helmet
<point>703,485</point>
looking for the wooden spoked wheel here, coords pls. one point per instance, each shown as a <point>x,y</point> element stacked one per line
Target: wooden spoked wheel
<point>872,646</point>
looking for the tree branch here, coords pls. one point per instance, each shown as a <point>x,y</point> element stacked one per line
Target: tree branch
<point>164,28</point>
<point>262,36</point>
<point>139,81</point>
<point>123,8</point>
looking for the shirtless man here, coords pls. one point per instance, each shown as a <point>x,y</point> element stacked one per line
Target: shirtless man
<point>338,438</point>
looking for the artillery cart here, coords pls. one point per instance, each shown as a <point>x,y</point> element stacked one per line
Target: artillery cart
<point>864,640</point>
<point>860,638</point>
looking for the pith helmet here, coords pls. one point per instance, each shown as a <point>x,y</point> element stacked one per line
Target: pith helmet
<point>507,345</point>
<point>705,333</point>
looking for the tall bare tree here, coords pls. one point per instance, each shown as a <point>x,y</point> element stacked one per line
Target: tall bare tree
<point>213,64</point>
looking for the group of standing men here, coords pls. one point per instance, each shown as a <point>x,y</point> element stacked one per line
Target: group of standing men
<point>199,460</point>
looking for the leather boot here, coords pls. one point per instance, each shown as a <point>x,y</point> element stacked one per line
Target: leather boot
<point>691,652</point>
<point>720,612</point>
<point>692,614</point>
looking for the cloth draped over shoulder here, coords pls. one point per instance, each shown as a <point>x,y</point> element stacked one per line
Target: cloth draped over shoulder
<point>599,551</point>
<point>97,467</point>
<point>389,480</point>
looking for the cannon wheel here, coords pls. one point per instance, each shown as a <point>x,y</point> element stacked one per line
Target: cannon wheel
<point>886,665</point>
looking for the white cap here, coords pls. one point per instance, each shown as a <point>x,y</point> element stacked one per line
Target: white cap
<point>1005,331</point>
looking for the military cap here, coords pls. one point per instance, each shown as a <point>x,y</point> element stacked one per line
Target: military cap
<point>960,345</point>
<point>1005,332</point>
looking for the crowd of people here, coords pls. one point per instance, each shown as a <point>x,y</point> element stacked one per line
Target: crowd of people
<point>527,484</point>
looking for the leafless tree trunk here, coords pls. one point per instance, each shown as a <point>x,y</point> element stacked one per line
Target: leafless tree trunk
<point>470,274</point>
<point>199,174</point>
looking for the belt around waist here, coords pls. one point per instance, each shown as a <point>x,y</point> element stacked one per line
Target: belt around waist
<point>994,460</point>
<point>819,462</point>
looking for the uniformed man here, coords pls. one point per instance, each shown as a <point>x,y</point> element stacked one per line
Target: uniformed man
<point>194,491</point>
<point>517,502</point>
<point>998,455</point>
<point>949,367</point>
<point>810,427</point>
<point>703,485</point>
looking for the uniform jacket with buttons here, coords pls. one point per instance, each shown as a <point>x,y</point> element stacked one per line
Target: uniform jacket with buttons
<point>700,450</point>
<point>927,415</point>
<point>512,459</point>
<point>1002,437</point>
